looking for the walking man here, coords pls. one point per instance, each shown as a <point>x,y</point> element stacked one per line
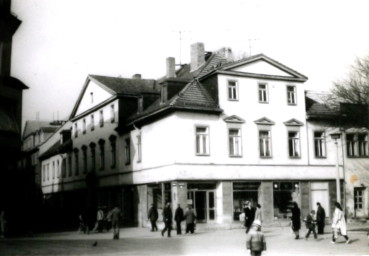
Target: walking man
<point>190,217</point>
<point>310,224</point>
<point>249,216</point>
<point>320,218</point>
<point>167,218</point>
<point>153,217</point>
<point>116,214</point>
<point>178,217</point>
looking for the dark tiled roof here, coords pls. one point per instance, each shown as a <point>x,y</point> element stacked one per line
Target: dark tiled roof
<point>320,103</point>
<point>128,86</point>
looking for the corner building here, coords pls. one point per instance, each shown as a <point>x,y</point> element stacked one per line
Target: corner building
<point>224,132</point>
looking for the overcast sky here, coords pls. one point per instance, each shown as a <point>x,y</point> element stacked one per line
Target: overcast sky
<point>60,42</point>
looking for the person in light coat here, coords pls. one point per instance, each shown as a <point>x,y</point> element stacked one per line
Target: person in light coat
<point>258,213</point>
<point>339,224</point>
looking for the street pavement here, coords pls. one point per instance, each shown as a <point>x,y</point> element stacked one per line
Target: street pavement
<point>140,241</point>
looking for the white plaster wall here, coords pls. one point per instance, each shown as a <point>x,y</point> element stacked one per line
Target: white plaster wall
<point>99,95</point>
<point>51,185</point>
<point>261,67</point>
<point>55,137</point>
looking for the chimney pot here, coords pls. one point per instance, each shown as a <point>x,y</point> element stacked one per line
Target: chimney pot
<point>171,71</point>
<point>136,76</point>
<point>197,55</point>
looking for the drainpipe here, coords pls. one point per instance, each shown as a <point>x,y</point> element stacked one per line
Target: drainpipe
<point>344,173</point>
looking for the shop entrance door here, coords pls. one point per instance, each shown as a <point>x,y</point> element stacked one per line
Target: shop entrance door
<point>204,205</point>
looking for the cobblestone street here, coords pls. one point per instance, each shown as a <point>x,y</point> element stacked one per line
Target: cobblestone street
<point>139,241</point>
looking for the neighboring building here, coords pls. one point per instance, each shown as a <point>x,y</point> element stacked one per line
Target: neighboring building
<point>10,119</point>
<point>327,115</point>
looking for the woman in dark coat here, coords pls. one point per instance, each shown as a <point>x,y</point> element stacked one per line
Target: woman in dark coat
<point>296,219</point>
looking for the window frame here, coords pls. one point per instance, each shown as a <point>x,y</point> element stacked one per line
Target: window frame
<point>270,143</point>
<point>84,126</point>
<point>112,113</point>
<point>102,154</point>
<point>266,90</point>
<point>101,118</point>
<point>356,198</point>
<point>362,147</point>
<point>207,144</point>
<point>291,141</point>
<point>127,151</point>
<point>92,118</point>
<point>235,90</point>
<point>322,144</point>
<point>294,93</point>
<point>139,148</point>
<point>231,142</point>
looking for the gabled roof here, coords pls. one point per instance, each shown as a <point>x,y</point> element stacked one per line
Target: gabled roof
<point>119,86</point>
<point>192,97</point>
<point>321,104</point>
<point>226,68</point>
<point>33,126</point>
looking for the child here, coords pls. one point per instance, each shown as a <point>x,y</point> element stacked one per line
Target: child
<point>255,241</point>
<point>310,224</point>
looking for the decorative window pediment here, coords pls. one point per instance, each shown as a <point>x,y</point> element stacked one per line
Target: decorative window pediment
<point>293,122</point>
<point>234,119</point>
<point>264,121</point>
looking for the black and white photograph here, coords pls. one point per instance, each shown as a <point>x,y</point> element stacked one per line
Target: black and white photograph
<point>174,127</point>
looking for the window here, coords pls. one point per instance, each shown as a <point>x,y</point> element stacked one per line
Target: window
<point>362,140</point>
<point>350,144</point>
<point>92,97</point>
<point>319,144</point>
<point>75,130</point>
<point>127,151</point>
<point>93,156</point>
<point>291,95</point>
<point>84,125</point>
<point>202,140</point>
<point>112,113</point>
<point>48,171</point>
<point>265,144</point>
<point>232,90</point>
<point>70,165</point>
<point>57,169</point>
<point>101,120</point>
<point>76,163</point>
<point>235,147</point>
<point>102,154</point>
<point>53,170</point>
<point>294,144</point>
<point>92,122</point>
<point>84,153</point>
<point>358,198</point>
<point>43,173</point>
<point>113,139</point>
<point>263,93</point>
<point>139,153</point>
<point>163,94</point>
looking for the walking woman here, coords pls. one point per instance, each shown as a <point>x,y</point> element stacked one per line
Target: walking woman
<point>296,220</point>
<point>339,224</point>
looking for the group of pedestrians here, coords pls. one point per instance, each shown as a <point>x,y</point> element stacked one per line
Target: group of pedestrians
<point>313,220</point>
<point>189,216</point>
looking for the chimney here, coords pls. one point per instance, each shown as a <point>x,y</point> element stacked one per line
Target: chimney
<point>197,55</point>
<point>136,76</point>
<point>171,71</point>
<point>226,53</point>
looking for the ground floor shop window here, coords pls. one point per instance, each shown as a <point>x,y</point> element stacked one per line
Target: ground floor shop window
<point>202,197</point>
<point>284,193</point>
<point>242,192</point>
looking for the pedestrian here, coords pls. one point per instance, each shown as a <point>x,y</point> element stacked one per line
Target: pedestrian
<point>116,214</point>
<point>167,218</point>
<point>2,223</point>
<point>255,241</point>
<point>249,216</point>
<point>296,220</point>
<point>178,217</point>
<point>258,213</point>
<point>99,221</point>
<point>153,217</point>
<point>310,224</point>
<point>82,226</point>
<point>339,224</point>
<point>320,218</point>
<point>190,217</point>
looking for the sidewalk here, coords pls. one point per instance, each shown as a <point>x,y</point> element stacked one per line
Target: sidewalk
<point>140,241</point>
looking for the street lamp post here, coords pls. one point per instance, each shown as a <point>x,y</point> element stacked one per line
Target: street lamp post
<point>336,136</point>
